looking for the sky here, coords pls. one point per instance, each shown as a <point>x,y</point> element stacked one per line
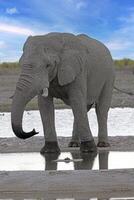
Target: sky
<point>110,21</point>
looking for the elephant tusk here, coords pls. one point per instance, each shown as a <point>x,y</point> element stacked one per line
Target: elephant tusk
<point>45,92</point>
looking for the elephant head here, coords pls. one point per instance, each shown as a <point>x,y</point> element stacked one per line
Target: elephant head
<point>33,80</point>
<point>42,59</point>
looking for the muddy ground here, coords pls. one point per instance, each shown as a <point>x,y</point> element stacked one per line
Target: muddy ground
<point>14,145</point>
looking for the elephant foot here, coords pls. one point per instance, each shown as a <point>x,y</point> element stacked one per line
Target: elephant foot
<point>74,144</point>
<point>103,144</point>
<point>88,146</point>
<point>50,147</point>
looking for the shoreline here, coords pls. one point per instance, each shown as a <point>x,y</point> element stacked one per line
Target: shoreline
<point>15,145</point>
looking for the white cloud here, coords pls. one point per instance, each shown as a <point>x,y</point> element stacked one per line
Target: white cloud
<point>2,44</point>
<point>121,41</point>
<point>2,54</point>
<point>12,11</point>
<point>15,29</point>
<point>116,44</point>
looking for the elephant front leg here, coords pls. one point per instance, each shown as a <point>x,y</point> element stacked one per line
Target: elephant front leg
<point>75,141</point>
<point>46,108</point>
<point>79,108</point>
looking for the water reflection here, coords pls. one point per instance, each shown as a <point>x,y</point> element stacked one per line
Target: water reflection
<point>81,161</point>
<point>76,161</point>
<point>50,161</point>
<point>103,160</point>
<point>66,161</point>
<point>87,160</point>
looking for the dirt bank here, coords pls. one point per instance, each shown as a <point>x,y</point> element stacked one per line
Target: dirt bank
<point>80,185</point>
<point>8,145</point>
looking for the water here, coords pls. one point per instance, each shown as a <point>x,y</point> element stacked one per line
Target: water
<point>120,122</point>
<point>35,161</point>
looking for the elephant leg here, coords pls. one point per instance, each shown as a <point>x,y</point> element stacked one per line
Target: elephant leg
<point>79,108</point>
<point>46,108</point>
<point>75,141</point>
<point>102,115</point>
<point>102,108</point>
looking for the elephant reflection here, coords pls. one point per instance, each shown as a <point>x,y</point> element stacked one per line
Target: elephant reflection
<point>84,161</point>
<point>103,160</point>
<point>50,161</point>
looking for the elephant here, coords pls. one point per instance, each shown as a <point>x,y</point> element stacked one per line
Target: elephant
<point>74,68</point>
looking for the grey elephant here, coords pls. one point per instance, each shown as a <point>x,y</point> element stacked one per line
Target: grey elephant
<point>75,68</point>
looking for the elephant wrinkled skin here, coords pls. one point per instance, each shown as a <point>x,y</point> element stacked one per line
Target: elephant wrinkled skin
<point>75,68</point>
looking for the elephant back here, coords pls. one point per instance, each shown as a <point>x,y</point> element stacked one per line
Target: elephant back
<point>93,46</point>
<point>70,41</point>
<point>57,42</point>
<point>66,40</point>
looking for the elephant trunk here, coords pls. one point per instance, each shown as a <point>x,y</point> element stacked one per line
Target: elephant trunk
<point>18,105</point>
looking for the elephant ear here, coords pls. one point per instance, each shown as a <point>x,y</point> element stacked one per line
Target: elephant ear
<point>70,67</point>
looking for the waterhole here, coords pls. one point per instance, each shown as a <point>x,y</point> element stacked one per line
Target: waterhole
<point>66,161</point>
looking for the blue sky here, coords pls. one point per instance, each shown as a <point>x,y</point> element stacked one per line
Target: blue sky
<point>110,21</point>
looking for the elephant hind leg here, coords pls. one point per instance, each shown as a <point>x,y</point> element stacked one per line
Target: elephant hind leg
<point>75,140</point>
<point>102,108</point>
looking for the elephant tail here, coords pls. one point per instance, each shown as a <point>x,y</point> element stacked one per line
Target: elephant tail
<point>123,91</point>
